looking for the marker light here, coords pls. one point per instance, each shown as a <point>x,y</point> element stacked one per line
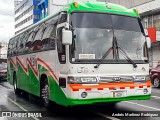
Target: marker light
<point>136,11</point>
<point>75,4</point>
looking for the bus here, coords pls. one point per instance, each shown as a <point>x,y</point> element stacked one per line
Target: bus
<point>87,53</point>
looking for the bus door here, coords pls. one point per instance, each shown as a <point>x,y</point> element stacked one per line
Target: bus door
<point>61,66</point>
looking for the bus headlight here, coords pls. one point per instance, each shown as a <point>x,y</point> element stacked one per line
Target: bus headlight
<point>141,78</point>
<point>82,80</point>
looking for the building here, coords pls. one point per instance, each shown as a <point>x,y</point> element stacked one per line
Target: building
<point>3,50</point>
<point>16,2</point>
<point>43,7</point>
<point>26,14</point>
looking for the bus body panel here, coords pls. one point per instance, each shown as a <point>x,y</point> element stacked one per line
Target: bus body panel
<point>29,68</point>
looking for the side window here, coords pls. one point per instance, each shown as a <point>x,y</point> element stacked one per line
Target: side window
<point>62,17</point>
<point>29,41</point>
<point>10,47</point>
<point>37,43</point>
<point>60,47</point>
<point>14,49</point>
<point>18,43</point>
<point>22,43</point>
<point>49,36</point>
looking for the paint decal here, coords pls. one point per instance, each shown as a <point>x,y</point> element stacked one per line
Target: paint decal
<point>34,69</point>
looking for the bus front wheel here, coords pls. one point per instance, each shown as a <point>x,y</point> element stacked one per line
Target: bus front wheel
<point>45,94</point>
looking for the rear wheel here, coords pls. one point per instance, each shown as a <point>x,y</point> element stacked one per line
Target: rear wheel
<point>16,90</point>
<point>156,82</point>
<point>45,94</point>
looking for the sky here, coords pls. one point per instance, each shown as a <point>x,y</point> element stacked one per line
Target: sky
<point>6,20</point>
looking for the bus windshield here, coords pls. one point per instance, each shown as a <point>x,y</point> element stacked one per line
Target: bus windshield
<point>94,33</point>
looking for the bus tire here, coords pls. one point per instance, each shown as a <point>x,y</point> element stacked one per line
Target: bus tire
<point>16,90</point>
<point>156,82</point>
<point>45,94</point>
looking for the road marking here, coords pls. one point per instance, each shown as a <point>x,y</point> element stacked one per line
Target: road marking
<point>106,116</point>
<point>155,97</point>
<point>153,90</point>
<point>142,105</point>
<point>22,108</point>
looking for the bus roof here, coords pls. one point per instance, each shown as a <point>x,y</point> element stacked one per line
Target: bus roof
<point>101,7</point>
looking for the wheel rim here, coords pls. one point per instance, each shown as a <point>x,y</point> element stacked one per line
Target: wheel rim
<point>156,82</point>
<point>45,94</point>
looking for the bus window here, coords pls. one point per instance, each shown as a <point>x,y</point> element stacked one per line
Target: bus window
<point>19,42</point>
<point>37,43</point>
<point>49,36</point>
<point>60,47</point>
<point>62,17</point>
<point>28,44</point>
<point>22,44</point>
<point>14,50</point>
<point>10,47</point>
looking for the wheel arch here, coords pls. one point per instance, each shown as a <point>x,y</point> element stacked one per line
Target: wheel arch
<point>42,79</point>
<point>13,77</point>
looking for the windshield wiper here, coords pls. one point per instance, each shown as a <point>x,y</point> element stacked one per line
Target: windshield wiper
<point>103,57</point>
<point>116,46</point>
<point>126,56</point>
<point>106,54</point>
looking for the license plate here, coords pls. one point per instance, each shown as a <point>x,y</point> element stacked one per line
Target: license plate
<point>117,94</point>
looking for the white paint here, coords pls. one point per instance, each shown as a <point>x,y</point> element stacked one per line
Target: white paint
<point>155,97</point>
<point>157,91</point>
<point>22,108</point>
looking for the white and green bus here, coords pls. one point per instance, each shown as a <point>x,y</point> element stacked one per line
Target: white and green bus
<point>89,52</point>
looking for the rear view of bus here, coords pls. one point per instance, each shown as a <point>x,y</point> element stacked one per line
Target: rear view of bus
<point>108,57</point>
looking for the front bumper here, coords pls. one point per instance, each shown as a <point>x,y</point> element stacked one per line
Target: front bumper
<point>106,92</point>
<point>73,102</point>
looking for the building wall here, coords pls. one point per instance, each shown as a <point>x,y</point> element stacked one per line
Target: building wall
<point>26,14</point>
<point>3,50</point>
<point>127,3</point>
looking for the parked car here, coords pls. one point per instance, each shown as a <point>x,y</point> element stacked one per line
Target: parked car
<point>3,71</point>
<point>155,76</point>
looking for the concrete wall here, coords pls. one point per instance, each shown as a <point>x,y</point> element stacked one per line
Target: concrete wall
<point>127,3</point>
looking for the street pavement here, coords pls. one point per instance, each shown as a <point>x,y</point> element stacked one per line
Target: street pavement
<point>9,102</point>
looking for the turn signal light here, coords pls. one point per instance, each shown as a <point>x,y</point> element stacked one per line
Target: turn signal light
<point>75,4</point>
<point>62,82</point>
<point>136,11</point>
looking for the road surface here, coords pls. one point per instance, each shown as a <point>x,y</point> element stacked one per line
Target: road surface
<point>9,102</point>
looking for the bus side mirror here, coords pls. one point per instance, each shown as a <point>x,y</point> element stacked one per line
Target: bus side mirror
<point>66,37</point>
<point>148,40</point>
